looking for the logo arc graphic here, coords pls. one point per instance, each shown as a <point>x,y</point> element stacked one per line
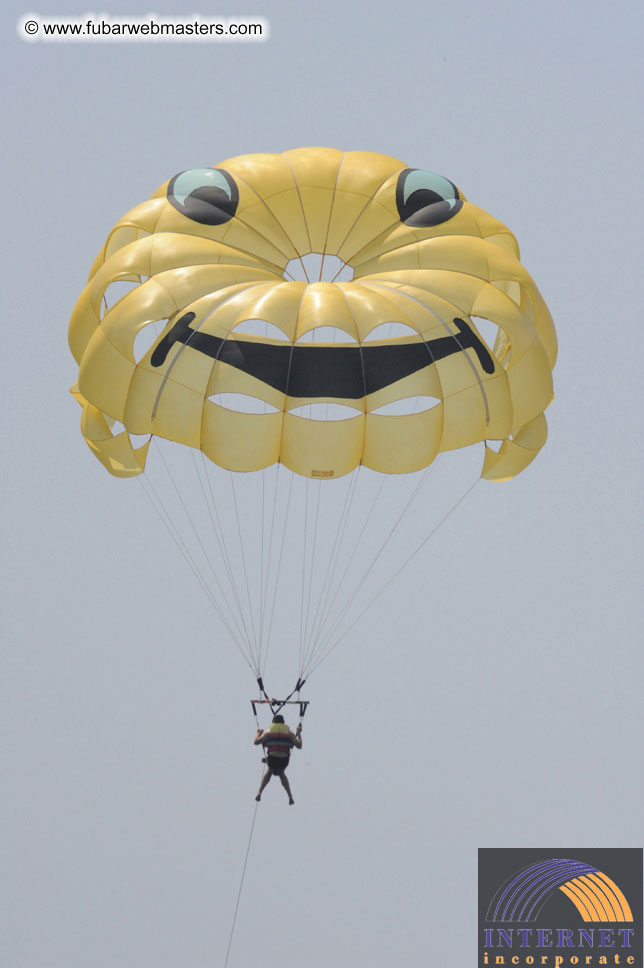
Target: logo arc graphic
<point>596,897</point>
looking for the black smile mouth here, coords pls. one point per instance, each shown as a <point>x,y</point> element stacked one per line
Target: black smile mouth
<point>343,372</point>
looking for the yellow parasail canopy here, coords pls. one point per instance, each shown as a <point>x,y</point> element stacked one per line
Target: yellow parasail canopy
<point>210,253</point>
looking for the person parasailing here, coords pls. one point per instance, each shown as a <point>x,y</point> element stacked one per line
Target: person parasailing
<point>278,743</point>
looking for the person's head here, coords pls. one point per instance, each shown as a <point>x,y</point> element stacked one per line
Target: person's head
<point>277,718</point>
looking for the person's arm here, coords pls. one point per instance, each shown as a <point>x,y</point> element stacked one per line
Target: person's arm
<point>297,739</point>
<point>259,737</point>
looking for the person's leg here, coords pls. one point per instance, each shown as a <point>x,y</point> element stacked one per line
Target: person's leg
<point>286,785</point>
<point>265,779</point>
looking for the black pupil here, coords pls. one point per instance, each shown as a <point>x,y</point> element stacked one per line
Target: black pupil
<point>425,206</point>
<point>422,197</point>
<point>208,204</point>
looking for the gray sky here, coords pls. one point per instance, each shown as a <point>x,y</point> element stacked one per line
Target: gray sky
<point>505,709</point>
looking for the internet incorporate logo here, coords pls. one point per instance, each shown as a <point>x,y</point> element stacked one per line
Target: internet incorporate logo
<point>596,896</point>
<point>539,908</point>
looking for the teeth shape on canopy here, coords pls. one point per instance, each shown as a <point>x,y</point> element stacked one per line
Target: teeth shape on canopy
<point>260,328</point>
<point>326,411</point>
<point>407,406</point>
<point>391,330</point>
<point>242,403</point>
<point>327,334</point>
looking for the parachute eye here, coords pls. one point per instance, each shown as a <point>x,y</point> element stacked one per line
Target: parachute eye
<point>206,195</point>
<point>425,198</point>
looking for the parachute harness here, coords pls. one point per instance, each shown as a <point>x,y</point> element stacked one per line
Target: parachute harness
<point>277,704</point>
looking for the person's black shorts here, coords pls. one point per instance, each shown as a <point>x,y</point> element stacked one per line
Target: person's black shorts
<point>277,764</point>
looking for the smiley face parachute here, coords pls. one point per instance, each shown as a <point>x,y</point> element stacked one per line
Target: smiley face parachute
<point>295,389</point>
